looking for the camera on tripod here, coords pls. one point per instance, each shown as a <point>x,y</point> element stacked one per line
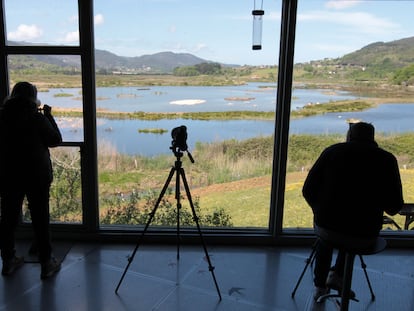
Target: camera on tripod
<point>179,136</point>
<point>179,142</point>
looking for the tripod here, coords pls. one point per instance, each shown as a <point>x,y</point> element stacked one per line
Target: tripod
<point>179,171</point>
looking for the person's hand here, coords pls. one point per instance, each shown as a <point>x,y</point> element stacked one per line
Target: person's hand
<point>47,110</point>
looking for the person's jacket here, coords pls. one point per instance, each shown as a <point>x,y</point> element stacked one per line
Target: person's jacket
<point>25,137</point>
<point>351,185</point>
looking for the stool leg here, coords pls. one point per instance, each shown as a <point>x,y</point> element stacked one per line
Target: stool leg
<point>364,267</point>
<point>309,261</point>
<point>347,282</point>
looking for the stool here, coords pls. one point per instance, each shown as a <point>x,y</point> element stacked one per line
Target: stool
<point>352,246</point>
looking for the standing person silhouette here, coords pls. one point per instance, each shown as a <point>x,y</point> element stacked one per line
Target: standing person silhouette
<point>349,188</point>
<point>26,171</point>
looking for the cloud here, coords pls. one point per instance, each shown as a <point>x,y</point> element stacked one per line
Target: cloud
<point>172,29</point>
<point>25,32</point>
<point>72,36</point>
<point>200,47</point>
<point>341,4</point>
<point>358,21</point>
<point>98,19</point>
<point>74,19</point>
<point>333,48</point>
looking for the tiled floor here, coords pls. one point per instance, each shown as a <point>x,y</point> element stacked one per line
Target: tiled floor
<point>249,279</point>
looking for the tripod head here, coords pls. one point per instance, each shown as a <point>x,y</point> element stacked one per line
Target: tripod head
<point>179,142</point>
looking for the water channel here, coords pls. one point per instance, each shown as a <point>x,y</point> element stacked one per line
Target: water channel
<point>124,135</point>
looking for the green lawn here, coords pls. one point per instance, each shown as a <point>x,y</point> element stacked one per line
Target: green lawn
<point>248,206</point>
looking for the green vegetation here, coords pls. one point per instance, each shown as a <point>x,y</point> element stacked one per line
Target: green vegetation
<point>404,76</point>
<point>140,115</point>
<point>63,95</point>
<point>315,75</point>
<point>198,69</point>
<point>230,182</point>
<point>370,67</point>
<point>135,209</point>
<point>153,131</point>
<point>308,110</point>
<point>334,106</point>
<point>375,64</point>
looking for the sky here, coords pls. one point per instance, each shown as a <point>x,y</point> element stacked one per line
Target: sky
<point>214,30</point>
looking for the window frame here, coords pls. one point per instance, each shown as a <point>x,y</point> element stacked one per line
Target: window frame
<point>90,229</point>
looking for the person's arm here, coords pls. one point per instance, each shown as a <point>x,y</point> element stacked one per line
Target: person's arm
<point>313,181</point>
<point>50,131</point>
<point>395,201</point>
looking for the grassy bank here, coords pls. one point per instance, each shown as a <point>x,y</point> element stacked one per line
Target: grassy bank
<point>45,81</point>
<point>306,111</point>
<point>230,181</point>
<point>247,201</point>
<point>235,176</point>
<point>365,88</point>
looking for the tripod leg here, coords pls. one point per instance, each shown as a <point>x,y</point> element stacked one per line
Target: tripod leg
<point>364,267</point>
<point>151,216</point>
<point>210,266</point>
<point>178,199</point>
<point>308,261</point>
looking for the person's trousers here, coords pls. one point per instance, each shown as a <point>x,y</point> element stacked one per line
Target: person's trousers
<point>37,195</point>
<point>323,259</point>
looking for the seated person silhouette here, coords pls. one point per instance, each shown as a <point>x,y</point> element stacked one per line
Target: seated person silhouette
<point>349,188</point>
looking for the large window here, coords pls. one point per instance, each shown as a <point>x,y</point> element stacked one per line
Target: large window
<point>351,63</point>
<point>39,23</point>
<point>122,77</point>
<point>195,67</point>
<point>41,45</point>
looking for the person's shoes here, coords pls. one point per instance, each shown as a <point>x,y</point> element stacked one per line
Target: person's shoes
<point>334,281</point>
<point>11,265</point>
<point>49,268</point>
<point>319,292</point>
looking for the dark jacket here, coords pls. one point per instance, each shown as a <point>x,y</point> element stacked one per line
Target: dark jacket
<point>351,185</point>
<point>25,138</point>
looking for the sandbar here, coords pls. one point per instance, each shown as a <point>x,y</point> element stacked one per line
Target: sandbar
<point>187,102</point>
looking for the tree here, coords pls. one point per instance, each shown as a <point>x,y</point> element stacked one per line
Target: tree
<point>198,69</point>
<point>404,75</point>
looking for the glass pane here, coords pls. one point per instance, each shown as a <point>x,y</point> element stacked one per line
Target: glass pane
<point>176,71</point>
<point>65,191</point>
<point>42,22</point>
<point>351,63</point>
<point>59,86</point>
<point>58,80</point>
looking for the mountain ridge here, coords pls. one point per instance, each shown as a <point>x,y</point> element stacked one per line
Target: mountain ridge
<point>390,55</point>
<point>162,62</point>
<point>106,61</point>
<point>397,53</point>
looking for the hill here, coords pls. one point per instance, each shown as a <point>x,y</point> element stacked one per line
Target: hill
<point>163,62</point>
<point>396,54</point>
<point>380,61</point>
<point>105,61</point>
